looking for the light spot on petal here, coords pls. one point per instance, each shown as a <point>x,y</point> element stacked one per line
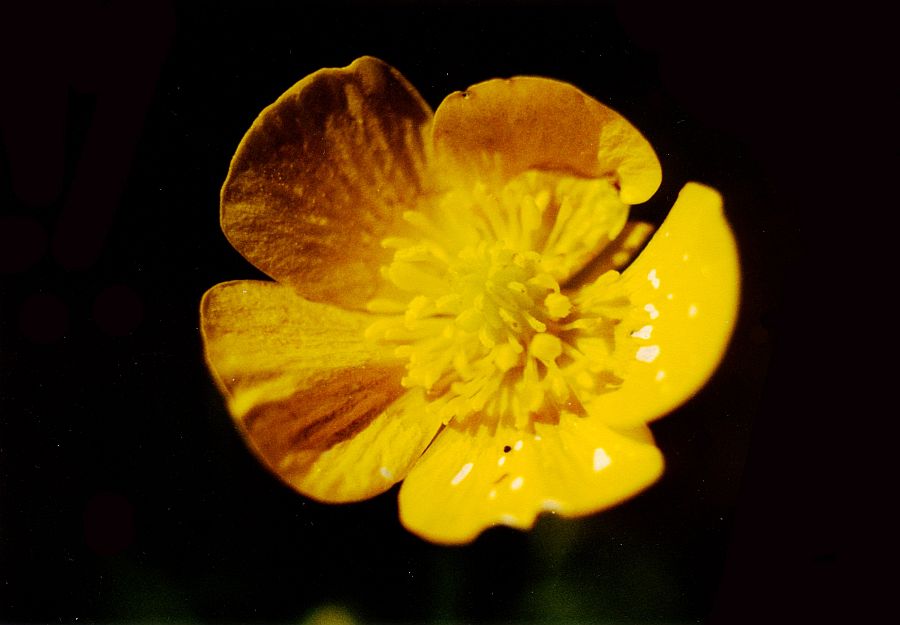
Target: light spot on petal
<point>651,310</point>
<point>692,311</point>
<point>643,333</point>
<point>551,505</point>
<point>501,461</point>
<point>653,279</point>
<point>669,296</point>
<point>601,459</point>
<point>508,519</point>
<point>647,353</point>
<point>463,472</point>
<point>537,437</point>
<point>386,473</point>
<point>517,483</point>
<point>492,494</point>
<point>518,445</point>
<point>685,256</point>
<point>660,375</point>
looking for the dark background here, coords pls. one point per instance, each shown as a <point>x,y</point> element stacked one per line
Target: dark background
<point>125,493</point>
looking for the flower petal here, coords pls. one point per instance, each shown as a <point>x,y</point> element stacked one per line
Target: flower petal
<point>470,480</point>
<point>684,290</point>
<point>323,175</point>
<point>537,123</point>
<point>323,409</point>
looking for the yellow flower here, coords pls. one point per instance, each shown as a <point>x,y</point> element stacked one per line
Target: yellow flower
<point>448,308</point>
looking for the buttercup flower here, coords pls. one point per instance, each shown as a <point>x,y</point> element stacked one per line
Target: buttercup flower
<point>453,303</point>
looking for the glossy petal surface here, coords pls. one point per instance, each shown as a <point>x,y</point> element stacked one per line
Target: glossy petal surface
<point>309,394</point>
<point>683,291</point>
<point>523,123</point>
<point>323,175</point>
<point>471,479</point>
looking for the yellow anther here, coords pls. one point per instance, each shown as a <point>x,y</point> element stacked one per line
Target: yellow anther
<point>485,337</point>
<point>419,307</point>
<point>409,277</point>
<point>531,214</point>
<point>517,287</point>
<point>470,320</point>
<point>447,302</point>
<point>545,347</point>
<point>544,280</point>
<point>558,305</point>
<point>511,321</point>
<point>378,329</point>
<point>505,357</point>
<point>536,324</point>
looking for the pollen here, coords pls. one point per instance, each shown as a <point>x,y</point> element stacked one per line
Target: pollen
<point>482,320</point>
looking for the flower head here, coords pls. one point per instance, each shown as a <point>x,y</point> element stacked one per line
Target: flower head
<point>455,303</point>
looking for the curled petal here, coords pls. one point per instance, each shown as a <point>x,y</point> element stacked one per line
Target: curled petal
<point>683,290</point>
<point>528,123</point>
<point>323,175</point>
<point>472,479</point>
<point>323,409</point>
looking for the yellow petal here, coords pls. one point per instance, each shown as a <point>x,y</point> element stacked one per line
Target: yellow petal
<point>684,290</point>
<point>323,409</point>
<point>323,175</point>
<point>369,461</point>
<point>528,123</point>
<point>470,480</point>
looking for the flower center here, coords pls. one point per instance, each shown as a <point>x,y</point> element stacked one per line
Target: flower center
<point>485,328</point>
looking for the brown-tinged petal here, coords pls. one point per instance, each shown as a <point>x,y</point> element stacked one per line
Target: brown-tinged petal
<point>322,408</point>
<point>528,122</point>
<point>323,175</point>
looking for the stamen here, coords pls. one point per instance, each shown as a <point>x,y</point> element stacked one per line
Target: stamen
<point>487,331</point>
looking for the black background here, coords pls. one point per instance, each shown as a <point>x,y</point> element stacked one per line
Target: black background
<point>125,493</point>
